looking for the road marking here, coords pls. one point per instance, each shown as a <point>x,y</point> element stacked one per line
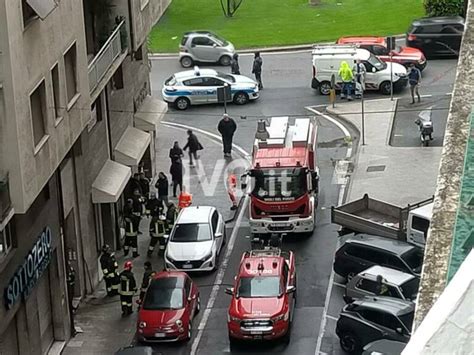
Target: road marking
<point>424,96</point>
<point>331,317</point>
<point>342,190</point>
<point>219,279</point>
<point>340,285</point>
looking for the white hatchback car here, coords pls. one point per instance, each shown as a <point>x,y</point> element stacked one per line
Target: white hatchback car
<point>199,86</point>
<point>196,240</point>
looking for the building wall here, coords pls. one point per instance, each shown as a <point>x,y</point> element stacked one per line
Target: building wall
<point>29,55</point>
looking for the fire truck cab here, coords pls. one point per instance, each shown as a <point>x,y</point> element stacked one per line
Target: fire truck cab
<point>285,178</point>
<point>263,296</point>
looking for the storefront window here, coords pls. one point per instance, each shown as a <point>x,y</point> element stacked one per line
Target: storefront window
<point>5,241</point>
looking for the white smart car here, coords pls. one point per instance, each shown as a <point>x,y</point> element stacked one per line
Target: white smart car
<point>199,86</point>
<point>196,240</point>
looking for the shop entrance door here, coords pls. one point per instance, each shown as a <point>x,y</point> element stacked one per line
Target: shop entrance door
<point>45,312</point>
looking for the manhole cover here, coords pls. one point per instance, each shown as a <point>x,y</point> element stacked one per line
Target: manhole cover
<point>373,168</point>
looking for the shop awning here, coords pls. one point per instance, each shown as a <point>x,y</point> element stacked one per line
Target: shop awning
<point>150,113</point>
<point>42,7</point>
<point>110,183</point>
<point>131,146</point>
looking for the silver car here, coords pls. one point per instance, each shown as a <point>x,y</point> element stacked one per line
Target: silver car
<point>394,283</point>
<point>205,47</point>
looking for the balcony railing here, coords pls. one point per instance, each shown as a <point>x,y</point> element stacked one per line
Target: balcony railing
<point>5,202</point>
<point>109,52</point>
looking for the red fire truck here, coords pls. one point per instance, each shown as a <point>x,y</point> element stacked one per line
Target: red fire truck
<point>285,178</point>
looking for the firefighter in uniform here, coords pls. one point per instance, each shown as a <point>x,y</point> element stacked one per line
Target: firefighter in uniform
<point>157,233</point>
<point>171,215</point>
<point>147,277</point>
<point>128,287</point>
<point>137,209</point>
<point>109,268</point>
<point>153,205</point>
<point>130,232</point>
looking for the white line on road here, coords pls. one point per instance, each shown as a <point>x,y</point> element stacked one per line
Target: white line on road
<point>340,285</point>
<point>331,317</point>
<point>219,279</point>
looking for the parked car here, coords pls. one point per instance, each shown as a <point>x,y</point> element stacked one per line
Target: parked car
<point>204,47</point>
<point>361,251</point>
<point>394,283</point>
<point>263,296</point>
<point>169,306</point>
<point>436,36</point>
<point>199,86</point>
<point>196,240</point>
<point>385,347</point>
<point>378,46</point>
<point>374,318</point>
<point>327,61</point>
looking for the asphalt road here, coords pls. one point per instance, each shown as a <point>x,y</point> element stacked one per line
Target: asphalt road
<point>286,77</point>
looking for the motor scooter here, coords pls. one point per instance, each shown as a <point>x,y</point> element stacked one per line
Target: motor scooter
<point>425,126</point>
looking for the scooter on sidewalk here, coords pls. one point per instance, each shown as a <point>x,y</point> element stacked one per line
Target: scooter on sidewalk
<point>425,126</point>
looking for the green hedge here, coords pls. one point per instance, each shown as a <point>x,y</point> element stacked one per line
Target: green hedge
<point>444,7</point>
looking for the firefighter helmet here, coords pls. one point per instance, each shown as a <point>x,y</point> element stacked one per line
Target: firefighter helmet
<point>128,265</point>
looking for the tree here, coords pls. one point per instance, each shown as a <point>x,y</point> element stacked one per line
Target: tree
<point>444,7</point>
<point>229,7</point>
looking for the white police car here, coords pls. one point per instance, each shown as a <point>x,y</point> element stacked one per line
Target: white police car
<point>199,86</point>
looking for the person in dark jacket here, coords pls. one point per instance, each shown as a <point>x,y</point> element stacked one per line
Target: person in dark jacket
<point>414,79</point>
<point>227,128</point>
<point>176,152</point>
<point>134,184</point>
<point>257,69</point>
<point>162,186</point>
<point>234,64</point>
<point>147,277</point>
<point>171,215</point>
<point>176,172</point>
<point>193,145</point>
<point>144,184</point>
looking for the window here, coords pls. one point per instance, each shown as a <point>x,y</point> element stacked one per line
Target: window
<point>96,113</point>
<point>187,287</point>
<point>410,288</point>
<point>38,112</point>
<point>202,41</point>
<point>56,91</point>
<point>420,224</point>
<point>367,285</point>
<point>28,13</point>
<point>138,55</point>
<point>285,274</point>
<point>354,250</point>
<point>375,256</point>
<point>194,82</point>
<point>414,259</point>
<point>214,221</point>
<point>213,82</point>
<point>388,321</point>
<point>163,295</point>
<point>259,286</point>
<point>429,29</point>
<point>380,50</point>
<point>117,79</point>
<point>191,232</point>
<point>70,62</point>
<point>6,237</point>
<point>370,315</point>
<point>184,40</point>
<point>394,262</point>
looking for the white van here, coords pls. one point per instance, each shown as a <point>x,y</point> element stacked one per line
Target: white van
<point>327,60</point>
<point>418,224</point>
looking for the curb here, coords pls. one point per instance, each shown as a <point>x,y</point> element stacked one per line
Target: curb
<point>262,49</point>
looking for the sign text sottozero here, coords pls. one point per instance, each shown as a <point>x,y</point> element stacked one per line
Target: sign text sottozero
<point>28,274</point>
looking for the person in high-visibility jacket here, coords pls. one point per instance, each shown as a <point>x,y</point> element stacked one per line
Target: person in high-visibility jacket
<point>231,190</point>
<point>131,233</point>
<point>128,287</point>
<point>109,268</point>
<point>347,76</point>
<point>185,199</point>
<point>157,234</point>
<point>147,277</point>
<point>171,216</point>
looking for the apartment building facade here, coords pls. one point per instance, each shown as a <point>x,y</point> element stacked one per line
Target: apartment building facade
<point>75,124</point>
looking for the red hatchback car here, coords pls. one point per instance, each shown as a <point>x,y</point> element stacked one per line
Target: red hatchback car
<point>378,46</point>
<point>168,308</point>
<point>263,296</point>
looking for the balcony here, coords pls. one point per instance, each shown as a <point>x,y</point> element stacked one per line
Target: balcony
<point>5,202</point>
<point>109,56</point>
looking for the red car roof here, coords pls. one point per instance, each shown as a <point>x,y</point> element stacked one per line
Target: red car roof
<point>362,40</point>
<point>261,266</point>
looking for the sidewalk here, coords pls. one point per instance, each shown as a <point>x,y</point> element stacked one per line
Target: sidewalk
<point>99,318</point>
<point>398,175</point>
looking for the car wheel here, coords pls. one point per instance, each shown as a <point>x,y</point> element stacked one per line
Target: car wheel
<point>241,98</point>
<point>224,60</point>
<point>385,88</point>
<point>325,88</point>
<point>349,343</point>
<point>190,331</point>
<point>186,62</point>
<point>182,103</point>
<point>198,304</point>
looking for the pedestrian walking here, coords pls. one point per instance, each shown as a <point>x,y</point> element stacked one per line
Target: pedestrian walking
<point>71,283</point>
<point>176,171</point>
<point>231,190</point>
<point>128,287</point>
<point>147,277</point>
<point>171,215</point>
<point>193,145</point>
<point>414,79</point>
<point>347,76</point>
<point>157,234</point>
<point>227,128</point>
<point>109,267</point>
<point>176,152</point>
<point>162,186</point>
<point>257,69</point>
<point>234,64</point>
<point>360,71</point>
<point>131,233</point>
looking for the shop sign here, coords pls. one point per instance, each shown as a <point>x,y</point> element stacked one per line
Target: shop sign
<point>28,274</point>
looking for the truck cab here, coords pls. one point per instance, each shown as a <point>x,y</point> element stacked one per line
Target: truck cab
<point>263,296</point>
<point>418,224</point>
<point>285,178</point>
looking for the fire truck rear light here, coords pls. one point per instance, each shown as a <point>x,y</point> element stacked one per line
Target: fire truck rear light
<point>411,37</point>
